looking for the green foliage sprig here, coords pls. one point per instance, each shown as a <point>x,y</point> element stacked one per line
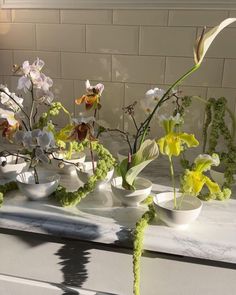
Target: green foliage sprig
<point>215,127</point>
<point>104,165</point>
<point>140,227</point>
<point>7,187</point>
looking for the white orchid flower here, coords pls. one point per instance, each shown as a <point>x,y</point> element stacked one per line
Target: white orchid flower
<point>46,139</point>
<point>11,100</point>
<point>204,41</point>
<point>41,156</point>
<point>151,98</point>
<point>38,64</point>
<point>44,97</point>
<point>97,89</point>
<point>9,116</point>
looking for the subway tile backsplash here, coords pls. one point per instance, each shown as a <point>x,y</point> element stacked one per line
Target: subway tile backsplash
<point>129,51</point>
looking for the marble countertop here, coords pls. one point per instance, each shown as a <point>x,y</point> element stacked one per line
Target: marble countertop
<point>101,218</point>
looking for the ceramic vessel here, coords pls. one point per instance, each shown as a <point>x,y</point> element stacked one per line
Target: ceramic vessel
<point>86,170</point>
<point>48,182</point>
<point>69,167</point>
<point>218,176</point>
<point>178,218</point>
<point>11,169</point>
<point>129,197</point>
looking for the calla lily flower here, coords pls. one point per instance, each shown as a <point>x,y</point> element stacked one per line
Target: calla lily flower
<point>92,97</point>
<point>204,41</point>
<point>172,144</point>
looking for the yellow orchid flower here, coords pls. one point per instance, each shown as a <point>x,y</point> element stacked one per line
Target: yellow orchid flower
<point>194,180</point>
<point>173,142</point>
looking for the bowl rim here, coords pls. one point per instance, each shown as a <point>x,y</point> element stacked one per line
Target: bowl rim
<point>158,205</point>
<point>137,178</point>
<point>45,174</point>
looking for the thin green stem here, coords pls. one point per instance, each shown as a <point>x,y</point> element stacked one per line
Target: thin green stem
<point>172,174</point>
<point>164,98</point>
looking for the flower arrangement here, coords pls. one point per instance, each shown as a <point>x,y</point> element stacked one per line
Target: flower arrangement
<point>173,143</point>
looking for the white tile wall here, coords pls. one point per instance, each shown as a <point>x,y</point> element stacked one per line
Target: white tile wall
<point>140,17</point>
<point>167,41</point>
<point>112,39</point>
<point>35,16</point>
<point>86,17</point>
<point>138,69</point>
<point>61,37</point>
<point>129,50</point>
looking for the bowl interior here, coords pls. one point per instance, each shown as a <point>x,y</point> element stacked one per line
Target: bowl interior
<point>45,177</point>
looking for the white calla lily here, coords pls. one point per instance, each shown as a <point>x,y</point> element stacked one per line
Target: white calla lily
<point>204,41</point>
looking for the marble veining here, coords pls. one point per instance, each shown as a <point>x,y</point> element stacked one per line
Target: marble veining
<point>101,218</point>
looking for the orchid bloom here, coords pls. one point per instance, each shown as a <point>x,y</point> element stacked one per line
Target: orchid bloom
<point>172,144</point>
<point>151,98</point>
<point>83,129</point>
<point>194,180</point>
<point>33,77</point>
<point>8,124</point>
<point>92,97</point>
<point>10,100</point>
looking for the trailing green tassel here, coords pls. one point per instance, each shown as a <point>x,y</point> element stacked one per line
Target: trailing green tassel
<point>141,225</point>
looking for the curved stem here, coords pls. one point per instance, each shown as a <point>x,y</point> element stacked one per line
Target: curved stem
<point>172,174</point>
<point>164,98</point>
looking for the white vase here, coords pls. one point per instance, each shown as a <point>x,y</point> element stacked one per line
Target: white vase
<point>218,176</point>
<point>131,198</point>
<point>11,169</point>
<point>86,170</point>
<point>48,183</point>
<point>69,165</point>
<point>178,218</point>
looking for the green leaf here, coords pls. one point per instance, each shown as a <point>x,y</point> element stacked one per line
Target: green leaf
<point>147,152</point>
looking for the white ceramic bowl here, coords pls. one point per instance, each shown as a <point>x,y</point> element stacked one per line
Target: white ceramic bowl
<point>129,197</point>
<point>48,182</point>
<point>11,170</point>
<point>218,176</point>
<point>86,170</point>
<point>180,218</point>
<point>69,167</point>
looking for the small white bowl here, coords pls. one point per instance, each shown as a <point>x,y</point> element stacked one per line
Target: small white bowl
<point>178,218</point>
<point>11,170</point>
<point>131,198</point>
<point>86,170</point>
<point>69,167</point>
<point>48,182</point>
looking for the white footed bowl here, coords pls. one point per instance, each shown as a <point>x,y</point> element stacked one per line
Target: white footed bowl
<point>129,197</point>
<point>48,182</point>
<point>69,167</point>
<point>86,170</point>
<point>11,170</point>
<point>178,218</point>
